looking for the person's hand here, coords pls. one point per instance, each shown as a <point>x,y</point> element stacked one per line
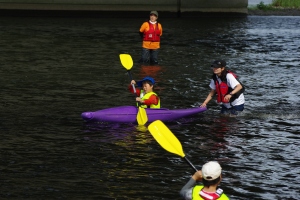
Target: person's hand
<point>227,97</point>
<point>132,82</point>
<point>203,105</point>
<point>197,176</point>
<point>138,99</point>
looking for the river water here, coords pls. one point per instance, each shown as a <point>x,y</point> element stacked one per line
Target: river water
<point>53,69</point>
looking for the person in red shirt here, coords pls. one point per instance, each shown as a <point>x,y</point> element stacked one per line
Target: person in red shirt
<point>151,31</point>
<point>145,96</point>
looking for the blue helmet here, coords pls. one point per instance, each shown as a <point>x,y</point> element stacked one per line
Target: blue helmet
<point>147,78</point>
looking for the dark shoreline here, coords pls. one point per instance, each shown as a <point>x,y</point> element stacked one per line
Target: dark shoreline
<point>104,14</point>
<point>276,12</point>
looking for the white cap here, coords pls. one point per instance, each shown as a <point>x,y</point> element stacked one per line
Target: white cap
<point>211,170</point>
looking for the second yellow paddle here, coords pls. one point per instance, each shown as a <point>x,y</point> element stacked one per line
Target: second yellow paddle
<point>167,139</point>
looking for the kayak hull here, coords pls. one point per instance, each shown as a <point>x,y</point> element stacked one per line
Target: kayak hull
<point>127,114</point>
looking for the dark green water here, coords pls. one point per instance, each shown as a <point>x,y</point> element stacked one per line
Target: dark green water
<point>53,69</point>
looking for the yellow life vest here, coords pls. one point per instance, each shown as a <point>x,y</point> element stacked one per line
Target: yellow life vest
<point>147,96</point>
<point>198,188</point>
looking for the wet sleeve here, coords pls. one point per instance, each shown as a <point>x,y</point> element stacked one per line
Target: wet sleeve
<point>187,190</point>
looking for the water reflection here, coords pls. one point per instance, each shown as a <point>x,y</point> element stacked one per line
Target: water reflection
<point>150,70</point>
<point>54,69</point>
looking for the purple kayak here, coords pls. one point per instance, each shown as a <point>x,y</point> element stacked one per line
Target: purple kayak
<point>127,114</point>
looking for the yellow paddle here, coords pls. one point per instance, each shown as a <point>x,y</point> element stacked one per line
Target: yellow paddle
<point>127,63</point>
<point>167,139</point>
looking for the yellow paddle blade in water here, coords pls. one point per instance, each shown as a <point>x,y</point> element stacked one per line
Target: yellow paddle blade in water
<point>126,61</point>
<point>141,117</point>
<point>165,138</point>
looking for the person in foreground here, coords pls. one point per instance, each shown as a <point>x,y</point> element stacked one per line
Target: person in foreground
<point>146,97</point>
<point>228,89</point>
<point>151,31</point>
<point>210,175</point>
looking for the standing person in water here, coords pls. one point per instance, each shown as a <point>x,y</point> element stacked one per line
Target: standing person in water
<point>151,32</point>
<point>146,97</point>
<point>228,89</point>
<point>210,176</point>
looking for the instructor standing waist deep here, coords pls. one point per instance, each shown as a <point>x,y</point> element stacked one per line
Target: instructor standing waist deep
<point>151,32</point>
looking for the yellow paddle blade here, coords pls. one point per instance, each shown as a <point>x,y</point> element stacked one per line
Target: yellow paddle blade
<point>165,137</point>
<point>141,116</point>
<point>126,61</point>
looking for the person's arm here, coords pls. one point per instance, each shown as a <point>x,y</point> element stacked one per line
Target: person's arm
<point>208,98</point>
<point>161,30</point>
<point>233,83</point>
<point>237,88</point>
<point>187,190</point>
<point>130,88</point>
<point>143,27</point>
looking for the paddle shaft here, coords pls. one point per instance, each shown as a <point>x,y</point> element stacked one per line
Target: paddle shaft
<point>134,90</point>
<point>189,162</point>
<point>127,62</point>
<point>131,80</point>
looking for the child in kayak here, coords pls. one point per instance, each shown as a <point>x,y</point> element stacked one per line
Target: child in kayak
<point>210,175</point>
<point>145,96</point>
